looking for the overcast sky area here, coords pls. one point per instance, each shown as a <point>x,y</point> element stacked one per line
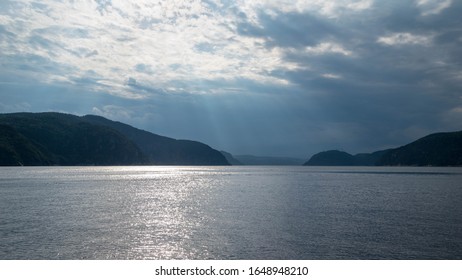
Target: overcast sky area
<point>276,78</point>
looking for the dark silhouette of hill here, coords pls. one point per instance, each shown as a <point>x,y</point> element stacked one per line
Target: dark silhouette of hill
<point>369,159</point>
<point>63,139</point>
<point>439,149</point>
<point>162,150</point>
<point>331,158</point>
<point>15,149</point>
<point>230,158</point>
<point>259,160</point>
<point>340,158</point>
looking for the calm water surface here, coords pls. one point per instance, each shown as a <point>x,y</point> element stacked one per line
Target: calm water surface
<point>230,213</point>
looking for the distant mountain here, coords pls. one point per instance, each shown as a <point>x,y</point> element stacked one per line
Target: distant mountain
<point>230,158</point>
<point>63,139</point>
<point>329,158</point>
<point>339,158</point>
<point>257,160</point>
<point>439,149</point>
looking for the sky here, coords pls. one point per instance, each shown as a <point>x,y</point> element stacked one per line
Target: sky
<point>269,78</point>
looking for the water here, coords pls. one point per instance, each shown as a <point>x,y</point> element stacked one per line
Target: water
<point>230,213</point>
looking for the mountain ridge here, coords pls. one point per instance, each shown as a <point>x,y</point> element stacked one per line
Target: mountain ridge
<point>164,150</point>
<point>52,138</point>
<point>436,149</point>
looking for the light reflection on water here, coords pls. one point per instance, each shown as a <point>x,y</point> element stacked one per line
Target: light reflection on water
<point>165,210</point>
<point>230,213</point>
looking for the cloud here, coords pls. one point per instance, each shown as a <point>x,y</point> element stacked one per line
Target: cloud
<point>143,68</point>
<point>325,48</point>
<point>89,53</point>
<point>113,38</point>
<point>433,7</point>
<point>311,74</point>
<point>113,112</point>
<point>5,34</point>
<point>194,41</point>
<point>404,39</point>
<point>289,29</point>
<point>331,76</point>
<point>103,5</point>
<point>326,8</point>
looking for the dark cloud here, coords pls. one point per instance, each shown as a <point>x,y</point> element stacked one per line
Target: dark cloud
<point>205,47</point>
<point>5,34</point>
<point>42,8</point>
<point>144,68</point>
<point>32,65</point>
<point>289,30</point>
<point>68,32</point>
<point>88,79</point>
<point>387,94</point>
<point>142,89</point>
<point>405,16</point>
<point>40,42</point>
<point>103,5</point>
<point>89,53</point>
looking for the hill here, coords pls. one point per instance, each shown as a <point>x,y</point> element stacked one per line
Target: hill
<point>339,158</point>
<point>439,149</point>
<point>63,139</point>
<point>163,150</point>
<point>230,158</point>
<point>331,158</point>
<point>259,160</point>
<point>15,149</point>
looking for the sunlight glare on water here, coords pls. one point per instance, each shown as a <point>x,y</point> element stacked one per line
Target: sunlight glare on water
<point>166,209</point>
<point>236,212</point>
